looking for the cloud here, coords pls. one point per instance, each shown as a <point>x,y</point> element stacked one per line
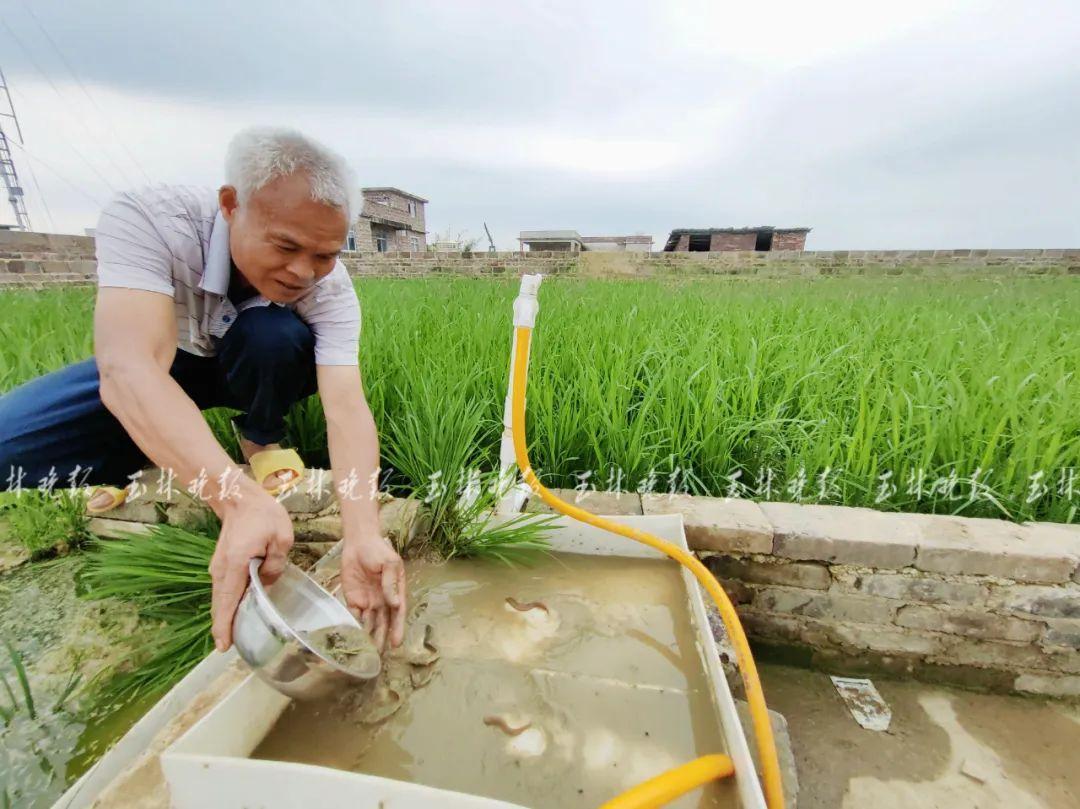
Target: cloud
<point>907,125</point>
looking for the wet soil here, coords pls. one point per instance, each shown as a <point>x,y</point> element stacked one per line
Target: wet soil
<point>349,646</point>
<point>56,633</point>
<point>944,747</point>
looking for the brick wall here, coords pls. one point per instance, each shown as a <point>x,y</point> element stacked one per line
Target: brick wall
<point>788,241</point>
<point>732,241</point>
<point>976,602</point>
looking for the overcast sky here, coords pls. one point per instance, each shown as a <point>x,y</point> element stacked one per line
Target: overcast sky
<point>919,124</point>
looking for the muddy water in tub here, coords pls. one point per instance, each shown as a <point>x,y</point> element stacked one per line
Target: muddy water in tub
<point>558,685</point>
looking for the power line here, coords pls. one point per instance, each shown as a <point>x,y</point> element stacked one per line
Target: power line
<point>29,55</point>
<point>41,196</point>
<point>86,92</point>
<point>59,174</point>
<point>75,151</point>
<point>11,106</point>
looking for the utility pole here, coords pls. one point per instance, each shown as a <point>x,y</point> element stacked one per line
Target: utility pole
<point>7,165</point>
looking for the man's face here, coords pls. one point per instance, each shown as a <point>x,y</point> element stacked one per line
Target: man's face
<point>282,241</point>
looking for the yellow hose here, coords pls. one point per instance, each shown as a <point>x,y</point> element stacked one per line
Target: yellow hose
<point>681,779</point>
<point>668,786</point>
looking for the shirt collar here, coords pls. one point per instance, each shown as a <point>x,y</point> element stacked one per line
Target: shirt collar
<point>218,267</point>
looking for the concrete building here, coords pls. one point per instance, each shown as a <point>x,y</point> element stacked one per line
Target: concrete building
<point>711,240</point>
<point>620,244</point>
<point>392,220</point>
<point>558,240</point>
<point>571,241</point>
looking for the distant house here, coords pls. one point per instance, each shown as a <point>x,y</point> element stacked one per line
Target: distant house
<point>392,220</point>
<point>711,240</point>
<point>571,241</point>
<point>635,243</point>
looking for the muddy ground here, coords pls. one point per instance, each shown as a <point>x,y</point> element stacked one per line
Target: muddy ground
<point>945,748</point>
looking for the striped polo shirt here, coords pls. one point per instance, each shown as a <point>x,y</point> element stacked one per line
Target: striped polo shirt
<point>173,239</point>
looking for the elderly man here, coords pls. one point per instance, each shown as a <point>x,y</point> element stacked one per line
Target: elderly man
<point>235,298</point>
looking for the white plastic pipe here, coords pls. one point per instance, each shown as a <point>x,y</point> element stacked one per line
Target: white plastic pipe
<point>526,307</point>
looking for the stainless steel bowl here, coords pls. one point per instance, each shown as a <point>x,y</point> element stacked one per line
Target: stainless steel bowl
<point>267,632</point>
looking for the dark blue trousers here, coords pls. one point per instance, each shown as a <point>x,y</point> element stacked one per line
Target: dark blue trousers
<point>56,425</point>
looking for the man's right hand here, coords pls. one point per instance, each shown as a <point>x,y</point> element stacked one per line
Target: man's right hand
<point>253,524</point>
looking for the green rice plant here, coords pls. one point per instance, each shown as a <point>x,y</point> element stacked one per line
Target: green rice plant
<point>31,341</point>
<point>439,440</point>
<point>433,443</point>
<point>219,419</point>
<point>29,705</point>
<point>306,431</point>
<point>471,530</point>
<point>46,522</point>
<point>166,573</point>
<point>461,523</point>
<point>13,707</point>
<point>948,395</point>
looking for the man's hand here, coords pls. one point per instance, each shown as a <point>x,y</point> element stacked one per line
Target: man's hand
<point>373,580</point>
<point>253,524</point>
<point>372,573</point>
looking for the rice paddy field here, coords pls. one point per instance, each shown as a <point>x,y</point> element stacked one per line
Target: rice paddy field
<point>937,395</point>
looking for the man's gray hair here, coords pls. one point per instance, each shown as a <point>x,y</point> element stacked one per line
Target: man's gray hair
<point>260,154</point>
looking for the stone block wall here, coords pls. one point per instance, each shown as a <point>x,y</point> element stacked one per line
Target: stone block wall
<point>969,601</point>
<point>410,265</point>
<point>40,259</point>
<point>155,498</point>
<point>747,263</point>
<point>976,602</point>
<point>45,259</point>
<point>15,245</point>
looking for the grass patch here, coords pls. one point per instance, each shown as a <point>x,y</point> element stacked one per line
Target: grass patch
<point>45,523</point>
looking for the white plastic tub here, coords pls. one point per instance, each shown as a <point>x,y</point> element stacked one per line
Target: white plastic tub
<point>209,766</point>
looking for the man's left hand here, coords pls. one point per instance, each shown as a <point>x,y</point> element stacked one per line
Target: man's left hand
<point>373,580</point>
